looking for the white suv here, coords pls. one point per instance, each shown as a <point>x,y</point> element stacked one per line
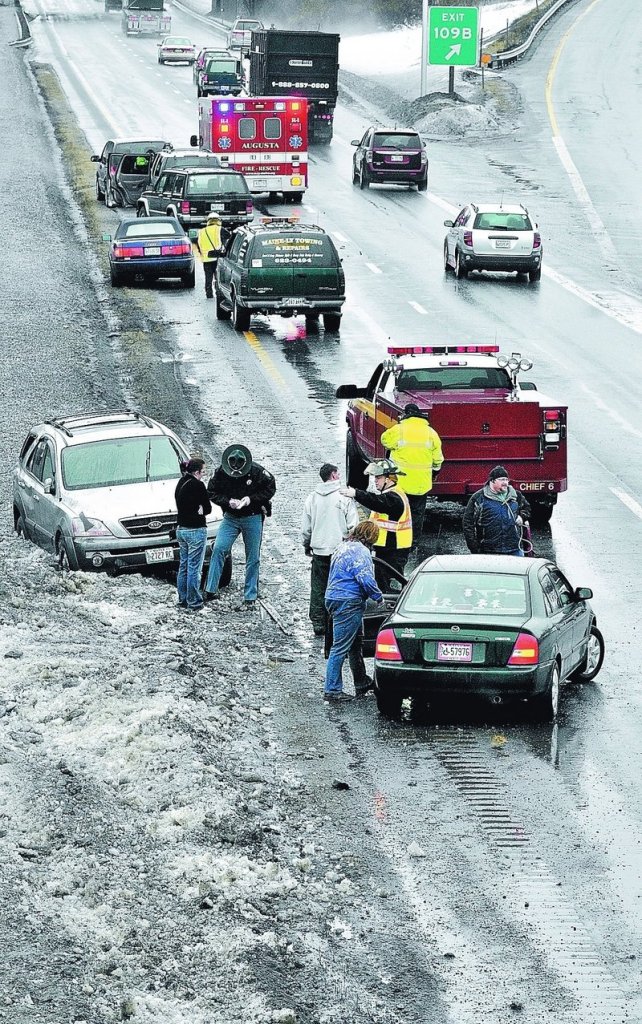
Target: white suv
<point>497,237</point>
<point>98,491</point>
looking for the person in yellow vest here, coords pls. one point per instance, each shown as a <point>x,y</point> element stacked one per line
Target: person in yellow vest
<point>416,448</point>
<point>389,509</point>
<point>211,244</point>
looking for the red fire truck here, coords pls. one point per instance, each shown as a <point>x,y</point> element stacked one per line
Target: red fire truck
<point>263,137</point>
<point>482,412</point>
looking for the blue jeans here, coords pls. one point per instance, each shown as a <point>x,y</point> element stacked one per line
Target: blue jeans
<point>252,529</point>
<point>191,546</point>
<point>347,641</point>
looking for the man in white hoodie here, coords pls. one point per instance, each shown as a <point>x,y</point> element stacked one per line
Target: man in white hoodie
<point>328,518</point>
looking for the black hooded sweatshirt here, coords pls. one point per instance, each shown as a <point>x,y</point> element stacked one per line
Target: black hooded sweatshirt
<point>258,485</point>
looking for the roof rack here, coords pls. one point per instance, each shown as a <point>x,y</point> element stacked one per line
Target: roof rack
<point>95,419</point>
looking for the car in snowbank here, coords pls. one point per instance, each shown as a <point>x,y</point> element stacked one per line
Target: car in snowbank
<point>97,490</point>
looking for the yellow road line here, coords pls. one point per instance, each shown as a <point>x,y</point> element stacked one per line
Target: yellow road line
<point>265,358</point>
<point>550,78</point>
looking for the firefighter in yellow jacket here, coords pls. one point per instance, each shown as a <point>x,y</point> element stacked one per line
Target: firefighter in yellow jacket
<point>416,449</point>
<point>390,510</point>
<point>211,242</point>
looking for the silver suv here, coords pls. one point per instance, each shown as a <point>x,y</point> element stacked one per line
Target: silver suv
<point>497,237</point>
<point>98,491</point>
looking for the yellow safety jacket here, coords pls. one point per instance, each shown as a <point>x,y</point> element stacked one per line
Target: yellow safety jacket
<point>402,529</point>
<point>209,238</point>
<point>416,449</point>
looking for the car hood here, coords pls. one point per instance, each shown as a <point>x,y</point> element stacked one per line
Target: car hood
<point>127,501</point>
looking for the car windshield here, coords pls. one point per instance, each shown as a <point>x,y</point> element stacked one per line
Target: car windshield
<point>464,378</point>
<point>118,461</point>
<point>501,221</point>
<point>471,593</point>
<point>396,140</point>
<point>292,250</point>
<point>215,184</point>
<point>143,229</point>
<point>222,66</point>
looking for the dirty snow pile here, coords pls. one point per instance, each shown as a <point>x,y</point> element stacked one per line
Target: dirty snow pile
<point>155,848</point>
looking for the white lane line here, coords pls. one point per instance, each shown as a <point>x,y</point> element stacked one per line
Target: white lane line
<point>339,237</point>
<point>375,330</point>
<point>597,224</point>
<point>627,500</point>
<point>418,308</point>
<point>374,268</point>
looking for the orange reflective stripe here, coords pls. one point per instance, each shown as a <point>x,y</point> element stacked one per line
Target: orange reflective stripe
<point>402,527</point>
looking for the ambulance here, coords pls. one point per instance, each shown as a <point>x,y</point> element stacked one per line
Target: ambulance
<point>263,137</point>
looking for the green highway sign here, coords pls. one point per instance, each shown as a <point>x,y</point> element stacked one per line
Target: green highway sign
<point>453,35</point>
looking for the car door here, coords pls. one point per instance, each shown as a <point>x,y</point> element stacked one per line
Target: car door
<point>224,267</point>
<point>35,488</point>
<point>455,231</point>
<point>577,617</point>
<point>177,194</point>
<point>362,148</point>
<point>557,606</point>
<point>103,164</point>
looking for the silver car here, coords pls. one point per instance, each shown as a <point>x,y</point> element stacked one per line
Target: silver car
<point>98,491</point>
<point>497,237</point>
<point>176,50</point>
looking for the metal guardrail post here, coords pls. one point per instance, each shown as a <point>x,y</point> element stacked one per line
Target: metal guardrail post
<point>500,60</point>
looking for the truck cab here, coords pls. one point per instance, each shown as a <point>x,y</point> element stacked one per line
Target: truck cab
<point>483,414</point>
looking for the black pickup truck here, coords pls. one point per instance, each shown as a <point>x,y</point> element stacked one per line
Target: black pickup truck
<point>191,195</point>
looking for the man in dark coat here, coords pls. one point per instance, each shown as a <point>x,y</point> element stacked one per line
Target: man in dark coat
<point>244,490</point>
<point>495,516</point>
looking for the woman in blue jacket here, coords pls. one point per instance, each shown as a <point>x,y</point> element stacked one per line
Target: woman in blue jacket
<point>350,584</point>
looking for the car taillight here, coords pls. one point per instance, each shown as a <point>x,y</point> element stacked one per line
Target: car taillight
<point>178,249</point>
<point>537,240</point>
<point>525,651</point>
<point>387,649</point>
<point>468,238</point>
<point>249,206</point>
<point>552,427</point>
<point>424,157</point>
<point>124,252</point>
<point>184,206</point>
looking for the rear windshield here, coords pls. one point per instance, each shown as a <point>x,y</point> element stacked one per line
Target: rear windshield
<point>184,162</point>
<point>215,184</point>
<point>453,378</point>
<point>117,461</point>
<point>291,250</point>
<point>143,229</point>
<point>134,164</point>
<point>176,41</point>
<point>502,222</point>
<point>472,593</point>
<point>246,26</point>
<point>137,147</point>
<point>396,140</point>
<point>221,66</point>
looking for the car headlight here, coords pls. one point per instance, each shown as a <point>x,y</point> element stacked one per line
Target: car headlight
<point>84,527</point>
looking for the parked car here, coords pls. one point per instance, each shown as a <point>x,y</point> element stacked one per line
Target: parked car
<point>493,237</point>
<point>176,50</point>
<point>109,160</point>
<point>496,627</point>
<point>181,159</point>
<point>280,266</point>
<point>390,156</point>
<point>191,195</point>
<point>148,249</point>
<point>98,491</point>
<point>203,57</point>
<point>240,35</point>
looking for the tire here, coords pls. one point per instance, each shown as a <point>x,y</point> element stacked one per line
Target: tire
<point>65,556</point>
<point>447,267</point>
<point>160,61</point>
<point>594,658</point>
<point>423,185</point>
<point>460,271</point>
<point>389,704</point>
<point>221,312</point>
<point>332,321</point>
<point>535,275</point>
<point>141,211</point>
<point>198,94</point>
<point>546,705</point>
<point>100,195</point>
<point>364,180</point>
<point>19,525</point>
<point>295,197</point>
<point>541,514</point>
<point>240,316</point>
<point>116,279</point>
<point>189,280</point>
<point>355,174</point>
<point>226,574</point>
<point>355,465</point>
<point>312,322</point>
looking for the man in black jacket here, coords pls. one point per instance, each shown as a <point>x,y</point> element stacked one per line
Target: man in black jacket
<point>193,506</point>
<point>389,509</point>
<point>495,516</point>
<point>244,491</point>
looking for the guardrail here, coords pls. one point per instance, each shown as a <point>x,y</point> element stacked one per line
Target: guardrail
<point>24,38</point>
<point>501,60</point>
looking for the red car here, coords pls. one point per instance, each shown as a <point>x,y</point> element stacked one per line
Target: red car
<point>389,155</point>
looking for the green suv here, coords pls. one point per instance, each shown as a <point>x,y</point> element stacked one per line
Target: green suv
<point>280,267</point>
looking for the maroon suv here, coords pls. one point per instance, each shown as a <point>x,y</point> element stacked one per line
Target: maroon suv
<point>391,155</point>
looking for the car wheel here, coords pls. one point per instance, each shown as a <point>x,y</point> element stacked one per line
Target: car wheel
<point>423,185</point>
<point>355,174</point>
<point>332,321</point>
<point>446,263</point>
<point>594,658</point>
<point>100,195</point>
<point>189,280</point>
<point>355,465</point>
<point>535,275</point>
<point>541,513</point>
<point>20,528</point>
<point>388,704</point>
<point>221,312</point>
<point>240,316</point>
<point>109,198</point>
<point>160,61</point>
<point>311,322</point>
<point>226,573</point>
<point>141,211</point>
<point>364,177</point>
<point>198,94</point>
<point>116,279</point>
<point>546,705</point>
<point>65,557</point>
<point>460,270</point>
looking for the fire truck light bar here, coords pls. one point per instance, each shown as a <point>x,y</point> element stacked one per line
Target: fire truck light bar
<point>280,220</point>
<point>439,350</point>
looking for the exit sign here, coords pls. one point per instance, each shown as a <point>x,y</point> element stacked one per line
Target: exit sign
<point>453,36</point>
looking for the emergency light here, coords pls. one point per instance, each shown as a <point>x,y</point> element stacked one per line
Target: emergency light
<point>224,106</point>
<point>439,350</point>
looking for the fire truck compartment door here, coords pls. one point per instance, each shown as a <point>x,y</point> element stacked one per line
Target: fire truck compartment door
<point>503,431</point>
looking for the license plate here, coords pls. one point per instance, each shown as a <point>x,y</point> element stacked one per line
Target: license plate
<point>153,251</point>
<point>261,183</point>
<point>502,245</point>
<point>454,652</point>
<point>159,555</point>
<point>295,302</point>
<point>217,206</point>
<point>396,159</point>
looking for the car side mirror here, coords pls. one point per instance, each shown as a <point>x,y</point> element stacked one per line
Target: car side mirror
<point>106,238</point>
<point>583,594</point>
<point>527,385</point>
<point>350,391</point>
<point>49,486</point>
<point>95,159</point>
<point>448,223</point>
<point>355,142</point>
<point>193,140</point>
<point>193,234</point>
